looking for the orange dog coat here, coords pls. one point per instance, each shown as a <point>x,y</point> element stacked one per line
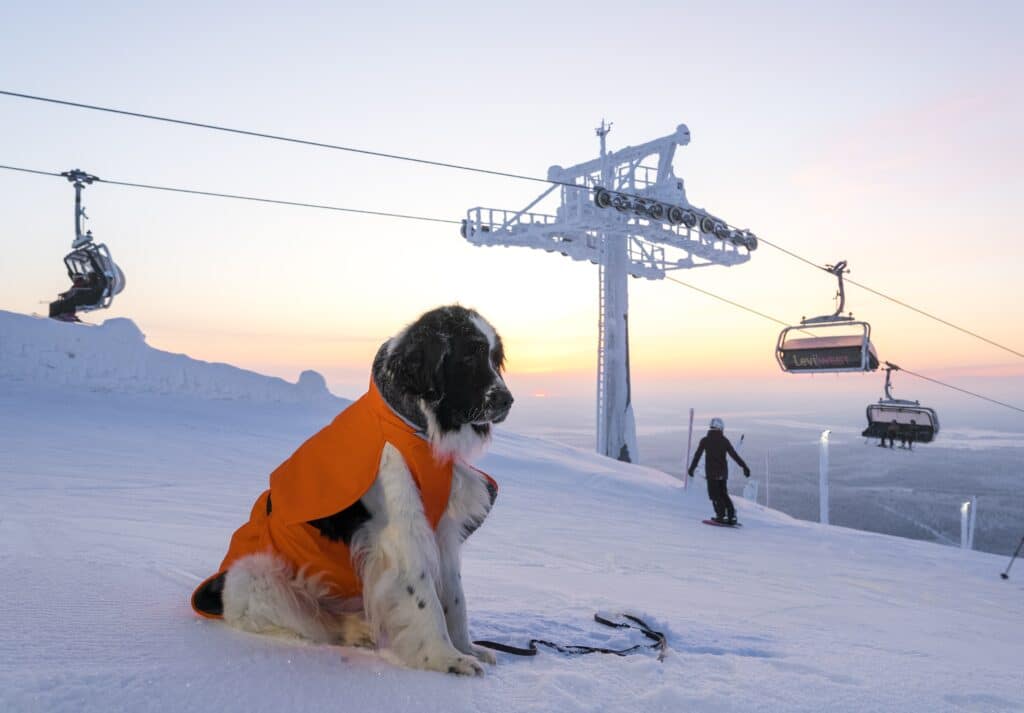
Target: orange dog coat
<point>328,473</point>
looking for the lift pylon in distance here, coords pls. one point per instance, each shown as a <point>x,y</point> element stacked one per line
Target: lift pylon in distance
<point>829,343</point>
<point>914,422</point>
<point>627,212</point>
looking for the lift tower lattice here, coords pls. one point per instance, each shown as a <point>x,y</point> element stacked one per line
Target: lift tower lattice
<point>625,211</point>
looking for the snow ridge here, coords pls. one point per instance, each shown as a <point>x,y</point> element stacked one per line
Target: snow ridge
<point>114,357</point>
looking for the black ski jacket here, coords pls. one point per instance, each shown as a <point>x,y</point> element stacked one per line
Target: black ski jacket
<point>716,445</point>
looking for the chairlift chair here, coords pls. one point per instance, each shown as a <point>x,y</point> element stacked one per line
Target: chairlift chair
<point>93,262</point>
<point>94,275</point>
<point>918,423</point>
<point>821,349</point>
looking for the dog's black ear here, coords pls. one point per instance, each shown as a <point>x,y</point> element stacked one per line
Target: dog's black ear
<point>417,361</point>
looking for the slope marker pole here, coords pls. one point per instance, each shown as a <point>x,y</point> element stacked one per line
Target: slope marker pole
<point>1006,574</point>
<point>689,447</point>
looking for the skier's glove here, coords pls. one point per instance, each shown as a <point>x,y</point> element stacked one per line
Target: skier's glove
<point>746,472</point>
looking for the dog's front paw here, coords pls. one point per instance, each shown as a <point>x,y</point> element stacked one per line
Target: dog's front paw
<point>462,665</point>
<point>450,662</point>
<point>485,655</point>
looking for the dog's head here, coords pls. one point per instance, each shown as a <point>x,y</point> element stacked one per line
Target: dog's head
<point>443,372</point>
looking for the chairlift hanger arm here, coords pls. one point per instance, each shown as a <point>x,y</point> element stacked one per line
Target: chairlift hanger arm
<point>838,269</point>
<point>888,380</point>
<point>80,179</point>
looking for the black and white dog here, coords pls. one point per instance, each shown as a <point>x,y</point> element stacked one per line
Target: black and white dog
<point>442,376</point>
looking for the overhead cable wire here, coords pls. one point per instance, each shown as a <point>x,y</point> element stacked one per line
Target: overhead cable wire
<point>298,204</point>
<point>726,301</point>
<point>32,170</point>
<point>278,137</point>
<point>957,388</point>
<point>461,167</point>
<point>255,199</point>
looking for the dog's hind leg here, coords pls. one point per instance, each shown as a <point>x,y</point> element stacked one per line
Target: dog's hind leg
<point>398,562</point>
<point>263,595</point>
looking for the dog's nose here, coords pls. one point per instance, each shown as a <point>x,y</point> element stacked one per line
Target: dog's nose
<point>500,404</point>
<point>502,400</point>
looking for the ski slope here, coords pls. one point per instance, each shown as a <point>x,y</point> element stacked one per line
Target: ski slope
<point>124,470</point>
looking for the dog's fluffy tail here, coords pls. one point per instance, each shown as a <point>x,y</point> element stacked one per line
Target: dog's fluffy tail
<point>264,595</point>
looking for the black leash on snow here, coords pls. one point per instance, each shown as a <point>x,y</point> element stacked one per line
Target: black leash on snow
<point>660,642</point>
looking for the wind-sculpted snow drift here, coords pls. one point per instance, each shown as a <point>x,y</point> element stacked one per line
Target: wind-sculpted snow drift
<point>123,471</point>
<point>114,357</point>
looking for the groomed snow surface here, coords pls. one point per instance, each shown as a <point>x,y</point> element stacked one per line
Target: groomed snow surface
<point>124,471</point>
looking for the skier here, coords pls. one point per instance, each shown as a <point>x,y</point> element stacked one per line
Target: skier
<point>85,290</point>
<point>716,469</point>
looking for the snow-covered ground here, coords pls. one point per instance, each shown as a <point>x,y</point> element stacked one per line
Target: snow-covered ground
<point>911,493</point>
<point>123,471</point>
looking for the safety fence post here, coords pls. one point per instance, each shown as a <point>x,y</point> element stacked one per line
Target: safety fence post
<point>968,511</point>
<point>823,477</point>
<point>689,445</point>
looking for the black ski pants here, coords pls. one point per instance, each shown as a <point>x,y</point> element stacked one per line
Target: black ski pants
<point>69,302</point>
<point>718,491</point>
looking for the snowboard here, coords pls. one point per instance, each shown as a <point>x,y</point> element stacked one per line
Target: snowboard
<point>719,524</point>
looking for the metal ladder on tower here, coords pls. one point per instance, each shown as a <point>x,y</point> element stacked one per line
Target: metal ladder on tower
<point>600,418</point>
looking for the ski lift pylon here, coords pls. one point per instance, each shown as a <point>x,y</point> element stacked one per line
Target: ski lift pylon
<point>916,423</point>
<point>831,343</point>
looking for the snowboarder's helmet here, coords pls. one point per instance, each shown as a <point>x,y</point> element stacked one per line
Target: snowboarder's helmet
<point>717,424</point>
